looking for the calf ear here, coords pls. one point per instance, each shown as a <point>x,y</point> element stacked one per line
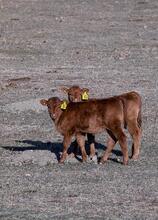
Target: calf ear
<point>85,95</point>
<point>85,90</point>
<point>43,101</point>
<point>64,89</point>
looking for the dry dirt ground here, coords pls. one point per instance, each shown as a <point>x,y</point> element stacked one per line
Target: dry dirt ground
<point>109,46</point>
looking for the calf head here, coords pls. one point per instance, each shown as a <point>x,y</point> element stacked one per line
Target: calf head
<point>54,106</point>
<point>76,94</point>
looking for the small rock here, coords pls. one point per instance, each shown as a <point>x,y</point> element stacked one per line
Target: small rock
<point>27,174</point>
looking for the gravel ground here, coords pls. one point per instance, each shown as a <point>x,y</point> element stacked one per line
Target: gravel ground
<point>108,46</point>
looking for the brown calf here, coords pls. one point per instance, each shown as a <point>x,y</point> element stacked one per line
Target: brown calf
<point>75,94</point>
<point>132,113</point>
<point>92,116</point>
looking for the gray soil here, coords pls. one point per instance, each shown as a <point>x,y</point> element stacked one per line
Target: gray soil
<point>108,46</point>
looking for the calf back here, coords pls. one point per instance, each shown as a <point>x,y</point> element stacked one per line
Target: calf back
<point>92,116</point>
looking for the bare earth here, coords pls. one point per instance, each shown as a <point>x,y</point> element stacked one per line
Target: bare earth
<point>108,46</point>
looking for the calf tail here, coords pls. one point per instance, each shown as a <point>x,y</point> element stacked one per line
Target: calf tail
<point>124,110</point>
<point>139,119</point>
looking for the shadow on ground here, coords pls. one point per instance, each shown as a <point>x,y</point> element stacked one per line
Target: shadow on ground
<point>56,148</point>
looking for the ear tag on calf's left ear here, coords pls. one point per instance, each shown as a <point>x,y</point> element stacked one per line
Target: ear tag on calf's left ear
<point>85,96</point>
<point>63,105</point>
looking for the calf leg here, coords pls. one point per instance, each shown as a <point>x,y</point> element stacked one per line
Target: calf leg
<point>66,144</point>
<point>81,142</point>
<point>110,145</point>
<point>75,150</point>
<point>91,141</point>
<point>116,134</point>
<point>135,132</point>
<point>123,144</point>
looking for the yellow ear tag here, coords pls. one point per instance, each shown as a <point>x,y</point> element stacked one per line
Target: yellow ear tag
<point>63,105</point>
<point>85,96</point>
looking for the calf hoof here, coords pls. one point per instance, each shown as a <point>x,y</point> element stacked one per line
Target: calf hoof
<point>61,161</point>
<point>135,157</point>
<point>125,163</point>
<point>91,156</point>
<point>102,161</point>
<point>84,160</point>
<point>94,159</point>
